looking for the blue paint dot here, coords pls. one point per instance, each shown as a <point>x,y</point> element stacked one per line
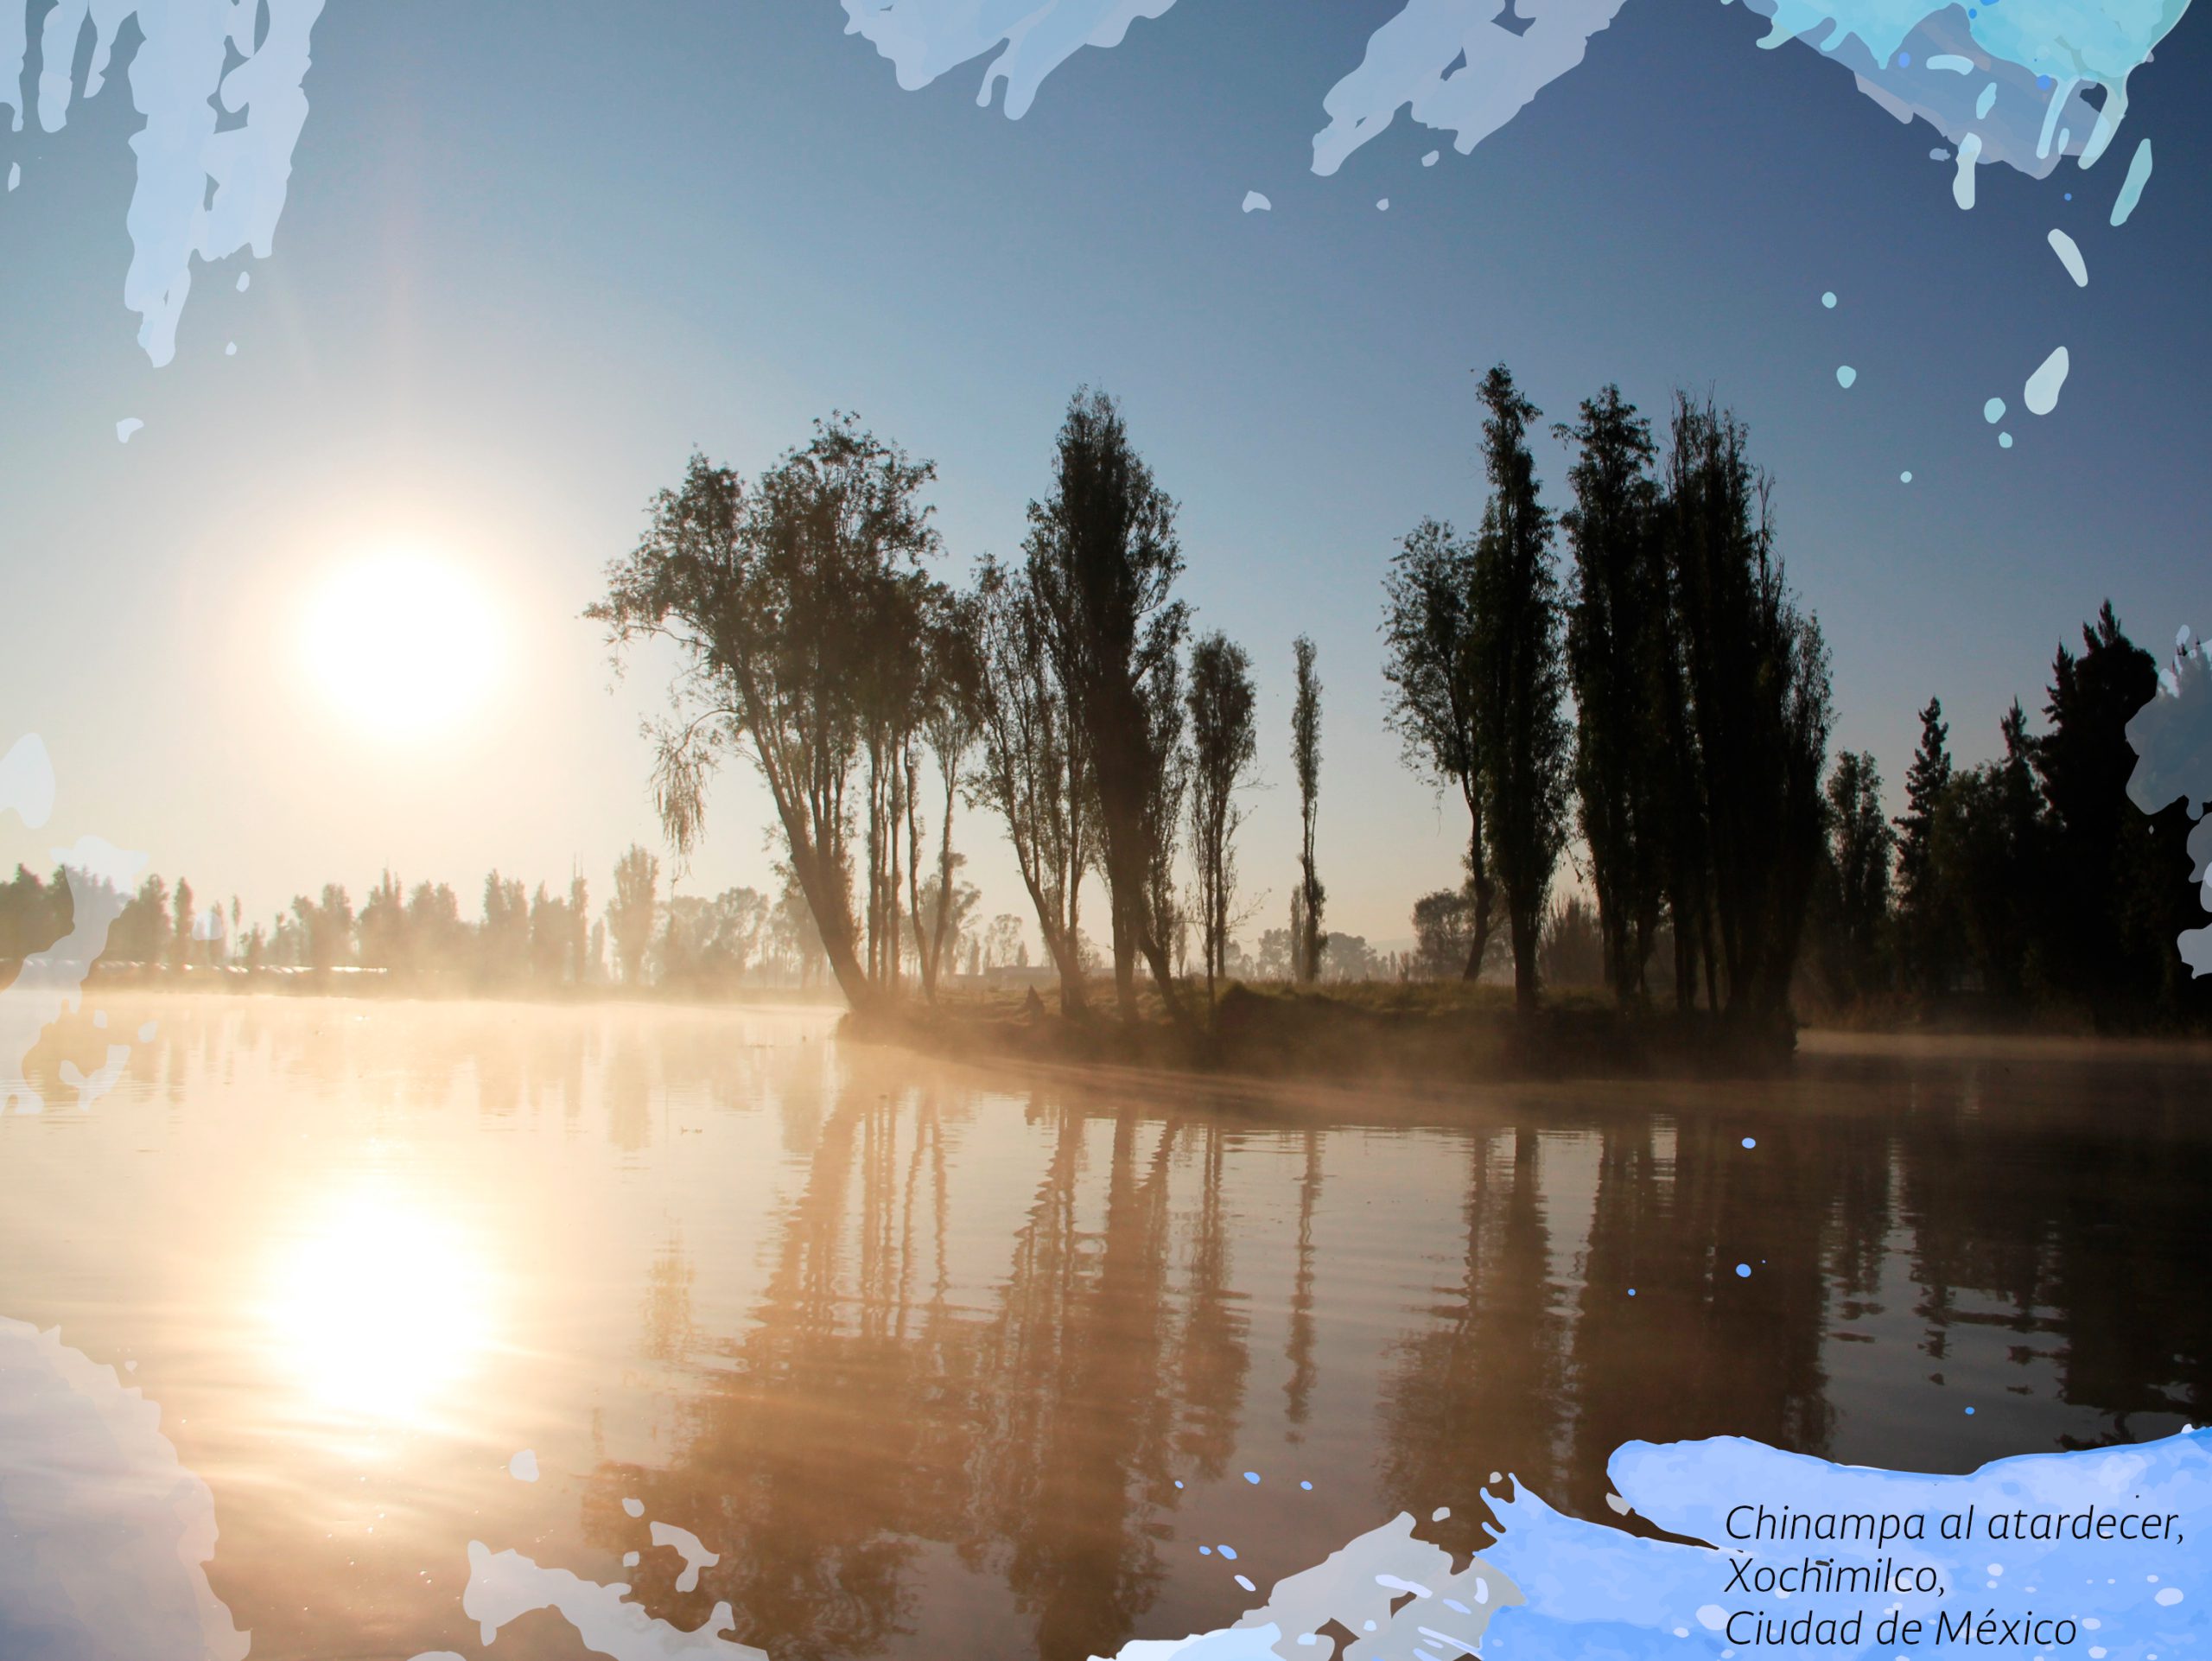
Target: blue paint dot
<point>1743,1271</point>
<point>1904,60</point>
<point>1751,1142</point>
<point>1632,1291</point>
<point>2069,195</point>
<point>1969,1409</point>
<point>1205,1551</point>
<point>1178,1481</point>
<point>2042,83</point>
<point>1251,1476</point>
<point>1229,1552</point>
<point>1828,299</point>
<point>1305,1484</point>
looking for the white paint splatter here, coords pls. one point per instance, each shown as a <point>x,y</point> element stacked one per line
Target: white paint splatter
<point>1429,160</point>
<point>2070,256</point>
<point>695,1556</point>
<point>1952,61</point>
<point>2131,188</point>
<point>926,38</point>
<point>506,1587</point>
<point>1845,375</point>
<point>1410,62</point>
<point>180,84</point>
<point>523,1466</point>
<point>2171,736</point>
<point>1256,203</point>
<point>2041,395</point>
<point>27,782</point>
<point>125,426</point>
<point>111,1533</point>
<point>1383,206</point>
<point>1962,183</point>
<point>635,1507</point>
<point>1993,411</point>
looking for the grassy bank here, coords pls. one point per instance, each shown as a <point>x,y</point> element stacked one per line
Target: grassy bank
<point>1399,1030</point>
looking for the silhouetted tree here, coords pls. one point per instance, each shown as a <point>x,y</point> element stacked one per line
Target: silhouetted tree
<point>1929,941</point>
<point>1521,725</point>
<point>1306,757</point>
<point>949,718</point>
<point>2124,892</point>
<point>1615,648</point>
<point>796,611</point>
<point>1034,773</point>
<point>1102,561</point>
<point>1443,928</point>
<point>1429,659</point>
<point>1855,903</point>
<point>1224,742</point>
<point>1755,742</point>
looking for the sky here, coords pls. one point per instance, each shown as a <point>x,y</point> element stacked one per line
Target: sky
<point>530,257</point>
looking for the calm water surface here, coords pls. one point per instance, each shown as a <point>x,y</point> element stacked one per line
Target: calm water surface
<point>948,1362</point>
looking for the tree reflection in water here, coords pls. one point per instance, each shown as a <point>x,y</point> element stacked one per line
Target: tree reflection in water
<point>882,1433</point>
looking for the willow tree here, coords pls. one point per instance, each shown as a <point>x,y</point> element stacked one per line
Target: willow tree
<point>794,611</point>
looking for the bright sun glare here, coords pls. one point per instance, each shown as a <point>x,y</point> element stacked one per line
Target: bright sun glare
<point>379,1306</point>
<point>402,642</point>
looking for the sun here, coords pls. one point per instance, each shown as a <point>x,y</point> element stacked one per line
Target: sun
<point>402,641</point>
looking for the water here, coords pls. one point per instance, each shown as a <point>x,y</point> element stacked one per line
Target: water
<point>956,1361</point>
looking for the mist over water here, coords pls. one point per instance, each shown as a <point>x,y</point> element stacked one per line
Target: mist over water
<point>940,1360</point>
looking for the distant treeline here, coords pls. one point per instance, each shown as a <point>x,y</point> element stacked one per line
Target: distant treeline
<point>418,938</point>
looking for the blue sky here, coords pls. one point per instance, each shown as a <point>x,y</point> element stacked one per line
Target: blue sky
<point>530,257</point>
